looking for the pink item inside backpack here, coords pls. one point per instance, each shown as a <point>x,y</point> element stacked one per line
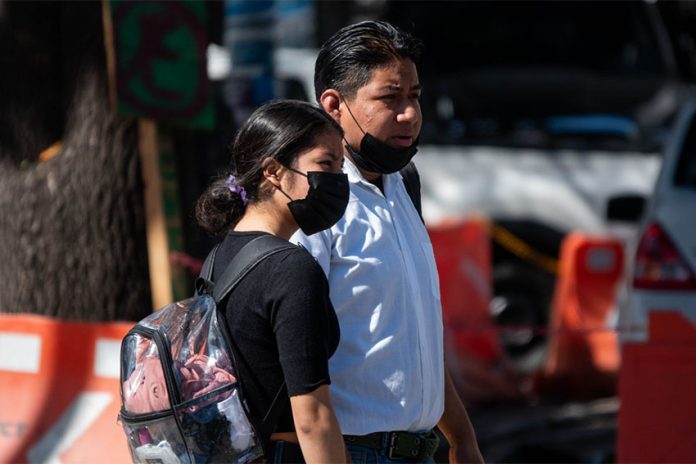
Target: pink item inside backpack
<point>145,390</point>
<point>200,375</point>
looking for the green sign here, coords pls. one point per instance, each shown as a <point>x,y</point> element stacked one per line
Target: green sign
<point>160,50</point>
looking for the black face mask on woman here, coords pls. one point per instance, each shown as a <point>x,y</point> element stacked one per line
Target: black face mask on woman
<point>377,156</point>
<point>325,202</point>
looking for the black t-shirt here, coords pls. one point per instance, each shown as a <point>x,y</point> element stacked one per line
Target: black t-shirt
<point>282,325</point>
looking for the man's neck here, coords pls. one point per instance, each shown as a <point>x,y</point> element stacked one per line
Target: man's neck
<point>379,182</point>
<point>374,178</point>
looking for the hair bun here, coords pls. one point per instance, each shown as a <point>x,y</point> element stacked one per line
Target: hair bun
<point>218,208</point>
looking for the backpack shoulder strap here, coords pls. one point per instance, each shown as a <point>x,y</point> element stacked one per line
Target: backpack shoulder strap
<point>247,259</point>
<point>203,283</point>
<point>413,186</point>
<point>207,269</point>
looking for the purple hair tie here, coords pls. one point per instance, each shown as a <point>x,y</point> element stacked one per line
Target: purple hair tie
<point>231,183</point>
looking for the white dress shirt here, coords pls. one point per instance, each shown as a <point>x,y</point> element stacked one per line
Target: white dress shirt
<point>388,371</point>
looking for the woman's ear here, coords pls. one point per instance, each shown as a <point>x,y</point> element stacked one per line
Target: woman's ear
<point>330,100</point>
<point>272,170</point>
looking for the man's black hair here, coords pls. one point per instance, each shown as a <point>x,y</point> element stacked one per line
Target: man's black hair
<point>347,59</point>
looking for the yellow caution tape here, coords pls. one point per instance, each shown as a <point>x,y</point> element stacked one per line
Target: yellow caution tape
<point>518,247</point>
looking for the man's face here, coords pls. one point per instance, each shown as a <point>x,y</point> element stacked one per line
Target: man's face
<point>387,107</point>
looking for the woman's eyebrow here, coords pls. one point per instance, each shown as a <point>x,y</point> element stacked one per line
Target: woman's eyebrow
<point>332,155</point>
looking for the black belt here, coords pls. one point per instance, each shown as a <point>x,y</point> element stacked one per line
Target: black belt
<point>289,452</point>
<point>416,446</point>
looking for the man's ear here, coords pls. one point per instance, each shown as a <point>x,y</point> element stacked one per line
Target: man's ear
<point>330,100</point>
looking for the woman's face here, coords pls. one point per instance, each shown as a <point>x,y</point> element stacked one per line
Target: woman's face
<point>326,156</point>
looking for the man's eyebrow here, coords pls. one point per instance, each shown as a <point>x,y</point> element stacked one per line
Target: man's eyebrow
<point>396,88</point>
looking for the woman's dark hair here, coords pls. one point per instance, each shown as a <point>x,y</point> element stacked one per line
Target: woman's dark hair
<point>280,130</point>
<point>346,60</point>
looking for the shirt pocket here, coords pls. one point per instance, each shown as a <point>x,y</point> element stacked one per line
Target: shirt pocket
<point>431,274</point>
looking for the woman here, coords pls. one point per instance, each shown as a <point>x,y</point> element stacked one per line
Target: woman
<point>286,175</point>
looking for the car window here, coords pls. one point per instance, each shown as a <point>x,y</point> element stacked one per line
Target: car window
<point>685,175</point>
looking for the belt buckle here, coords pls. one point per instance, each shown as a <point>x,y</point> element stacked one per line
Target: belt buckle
<point>390,451</point>
<point>413,454</point>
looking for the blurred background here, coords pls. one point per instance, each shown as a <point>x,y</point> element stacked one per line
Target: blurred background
<point>546,127</point>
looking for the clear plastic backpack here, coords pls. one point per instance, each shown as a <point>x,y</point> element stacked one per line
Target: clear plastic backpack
<point>180,392</point>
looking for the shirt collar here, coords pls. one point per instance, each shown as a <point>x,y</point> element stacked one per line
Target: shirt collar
<point>356,177</point>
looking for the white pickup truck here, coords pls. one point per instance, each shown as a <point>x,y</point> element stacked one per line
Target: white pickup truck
<point>566,189</point>
<point>538,196</point>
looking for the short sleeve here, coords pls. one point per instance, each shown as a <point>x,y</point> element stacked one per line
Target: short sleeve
<point>302,323</point>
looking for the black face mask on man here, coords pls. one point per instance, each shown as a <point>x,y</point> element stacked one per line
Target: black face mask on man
<point>377,156</point>
<point>325,202</point>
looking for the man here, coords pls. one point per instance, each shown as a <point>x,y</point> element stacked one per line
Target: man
<point>388,373</point>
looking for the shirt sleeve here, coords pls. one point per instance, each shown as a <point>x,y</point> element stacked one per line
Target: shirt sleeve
<point>300,318</point>
<point>318,245</point>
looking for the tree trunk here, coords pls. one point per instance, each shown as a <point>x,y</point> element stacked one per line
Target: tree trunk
<point>72,227</point>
